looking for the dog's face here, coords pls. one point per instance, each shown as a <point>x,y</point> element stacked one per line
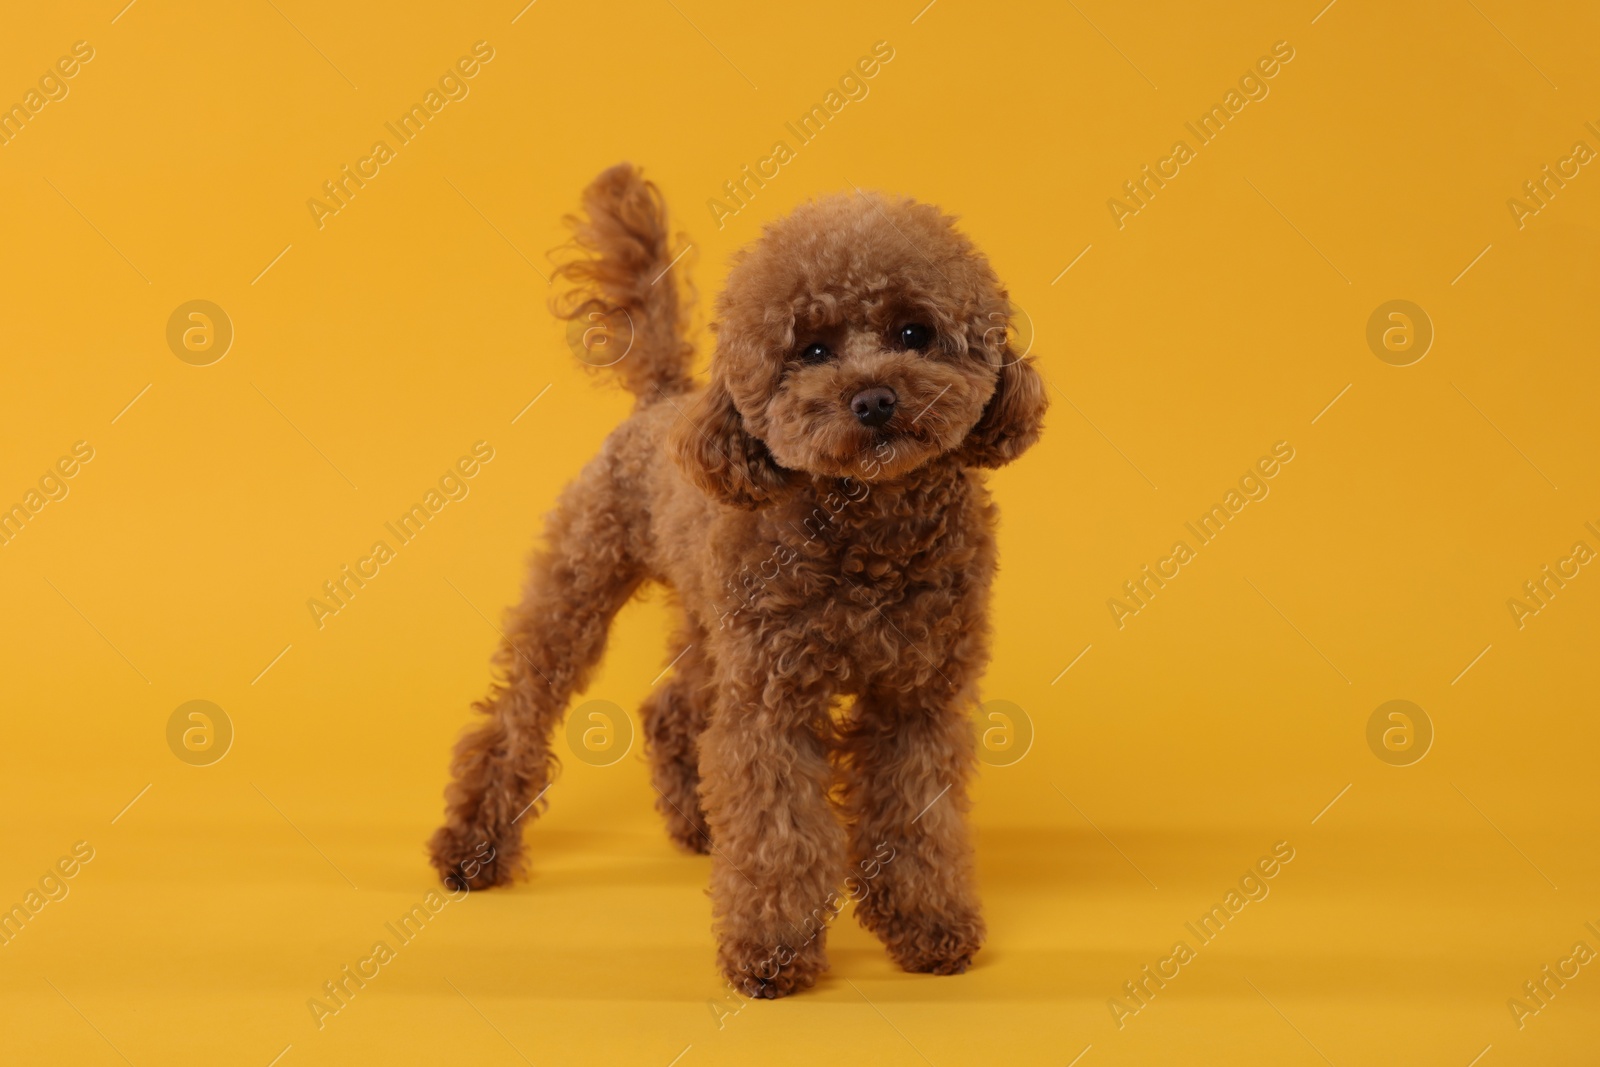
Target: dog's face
<point>860,337</point>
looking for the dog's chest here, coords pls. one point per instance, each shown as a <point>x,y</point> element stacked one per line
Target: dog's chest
<point>867,581</point>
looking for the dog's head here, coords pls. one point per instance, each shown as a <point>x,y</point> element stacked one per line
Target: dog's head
<point>859,337</point>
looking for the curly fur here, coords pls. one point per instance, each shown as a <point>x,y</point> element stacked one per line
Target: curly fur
<point>813,560</point>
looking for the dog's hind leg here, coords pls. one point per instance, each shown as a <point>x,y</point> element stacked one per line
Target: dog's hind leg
<point>552,640</point>
<point>674,715</point>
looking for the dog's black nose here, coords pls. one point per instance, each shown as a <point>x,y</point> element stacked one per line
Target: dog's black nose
<point>875,406</point>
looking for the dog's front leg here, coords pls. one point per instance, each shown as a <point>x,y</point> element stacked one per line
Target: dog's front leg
<point>909,756</point>
<point>776,846</point>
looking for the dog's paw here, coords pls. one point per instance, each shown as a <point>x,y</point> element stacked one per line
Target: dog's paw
<point>929,945</point>
<point>769,973</point>
<point>469,859</point>
<point>937,959</point>
<point>780,985</point>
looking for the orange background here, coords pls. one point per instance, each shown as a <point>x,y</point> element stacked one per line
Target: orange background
<point>1224,717</point>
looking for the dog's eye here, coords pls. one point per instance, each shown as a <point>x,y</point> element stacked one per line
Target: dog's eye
<point>914,335</point>
<point>815,352</point>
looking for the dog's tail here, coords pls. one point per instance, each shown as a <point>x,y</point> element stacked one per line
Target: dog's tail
<point>624,307</point>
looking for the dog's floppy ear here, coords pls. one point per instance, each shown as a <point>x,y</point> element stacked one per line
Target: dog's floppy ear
<point>717,454</point>
<point>1012,419</point>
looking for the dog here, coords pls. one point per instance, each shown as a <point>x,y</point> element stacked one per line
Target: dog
<point>818,513</point>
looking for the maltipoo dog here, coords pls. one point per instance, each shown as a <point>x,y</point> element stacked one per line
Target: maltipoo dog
<point>818,512</point>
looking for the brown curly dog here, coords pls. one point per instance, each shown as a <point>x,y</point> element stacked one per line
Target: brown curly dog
<point>818,512</point>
